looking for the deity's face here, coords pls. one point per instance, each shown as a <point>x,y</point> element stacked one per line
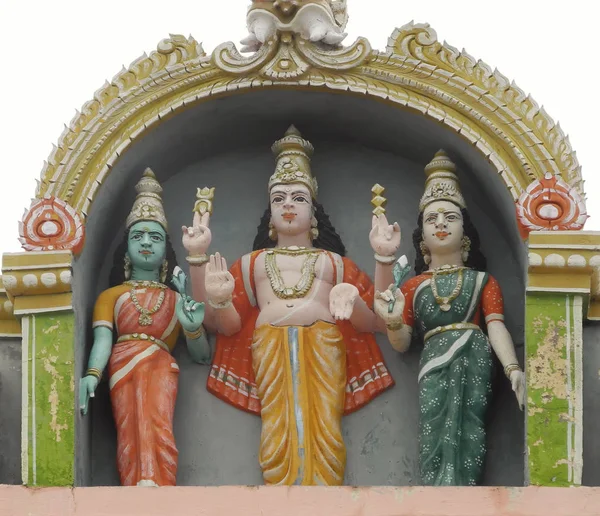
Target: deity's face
<point>442,227</point>
<point>147,245</point>
<point>291,209</point>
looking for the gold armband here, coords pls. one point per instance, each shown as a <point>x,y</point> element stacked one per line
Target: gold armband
<point>385,260</point>
<point>510,368</point>
<point>95,372</point>
<point>193,335</point>
<point>196,260</point>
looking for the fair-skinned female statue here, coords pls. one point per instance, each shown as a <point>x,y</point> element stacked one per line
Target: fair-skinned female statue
<point>294,326</point>
<point>457,308</point>
<point>147,317</point>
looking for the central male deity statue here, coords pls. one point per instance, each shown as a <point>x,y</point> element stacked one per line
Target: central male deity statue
<point>294,324</point>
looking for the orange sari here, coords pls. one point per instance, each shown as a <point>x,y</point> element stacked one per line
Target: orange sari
<point>143,380</point>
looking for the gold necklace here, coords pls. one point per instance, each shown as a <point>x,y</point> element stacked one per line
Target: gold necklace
<point>445,302</point>
<point>293,250</point>
<point>304,283</point>
<point>145,318</point>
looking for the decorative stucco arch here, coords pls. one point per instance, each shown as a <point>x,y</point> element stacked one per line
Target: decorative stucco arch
<point>416,72</point>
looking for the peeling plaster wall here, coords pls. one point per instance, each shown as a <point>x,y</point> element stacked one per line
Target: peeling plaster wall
<point>10,411</point>
<point>226,144</point>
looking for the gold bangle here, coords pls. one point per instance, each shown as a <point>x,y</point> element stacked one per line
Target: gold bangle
<point>193,335</point>
<point>220,306</point>
<point>385,260</point>
<point>510,368</point>
<point>395,326</point>
<point>197,260</point>
<point>95,372</point>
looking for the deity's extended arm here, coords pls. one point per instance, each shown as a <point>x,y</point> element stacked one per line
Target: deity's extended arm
<point>101,349</point>
<point>198,346</point>
<point>384,276</point>
<point>198,281</point>
<point>363,318</point>
<point>502,343</point>
<point>226,319</point>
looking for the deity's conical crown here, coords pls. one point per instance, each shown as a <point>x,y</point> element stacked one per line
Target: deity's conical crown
<point>293,155</point>
<point>148,203</point>
<point>441,183</point>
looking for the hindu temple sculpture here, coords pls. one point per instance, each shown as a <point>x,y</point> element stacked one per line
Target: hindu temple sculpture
<point>294,325</point>
<point>314,20</point>
<point>450,302</point>
<point>147,316</point>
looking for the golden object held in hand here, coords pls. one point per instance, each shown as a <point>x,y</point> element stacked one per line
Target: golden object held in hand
<point>378,201</point>
<point>204,200</point>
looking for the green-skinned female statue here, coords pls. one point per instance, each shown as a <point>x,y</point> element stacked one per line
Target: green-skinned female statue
<point>147,317</point>
<point>457,309</point>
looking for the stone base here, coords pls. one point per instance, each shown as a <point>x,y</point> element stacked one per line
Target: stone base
<point>300,501</point>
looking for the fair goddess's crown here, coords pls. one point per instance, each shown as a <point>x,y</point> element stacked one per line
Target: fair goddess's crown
<point>441,183</point>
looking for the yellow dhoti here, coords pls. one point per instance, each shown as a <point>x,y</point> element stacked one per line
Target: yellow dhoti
<point>300,374</point>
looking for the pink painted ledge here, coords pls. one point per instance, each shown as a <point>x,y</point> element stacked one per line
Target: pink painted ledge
<point>299,501</point>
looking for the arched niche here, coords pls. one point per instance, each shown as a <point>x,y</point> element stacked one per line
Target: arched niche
<point>358,141</point>
<point>209,120</point>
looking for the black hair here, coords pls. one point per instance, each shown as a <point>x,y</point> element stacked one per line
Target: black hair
<point>328,238</point>
<point>117,273</point>
<point>476,259</point>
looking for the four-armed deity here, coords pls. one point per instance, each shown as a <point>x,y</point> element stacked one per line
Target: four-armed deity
<point>294,325</point>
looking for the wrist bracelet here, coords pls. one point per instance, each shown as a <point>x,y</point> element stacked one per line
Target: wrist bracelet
<point>193,335</point>
<point>220,306</point>
<point>510,368</point>
<point>385,260</point>
<point>395,326</point>
<point>95,372</point>
<point>196,260</point>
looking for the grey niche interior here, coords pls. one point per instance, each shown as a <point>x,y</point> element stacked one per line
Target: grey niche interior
<point>358,141</point>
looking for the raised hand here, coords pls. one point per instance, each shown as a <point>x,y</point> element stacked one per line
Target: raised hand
<point>196,239</point>
<point>87,388</point>
<point>517,381</point>
<point>384,237</point>
<point>218,281</point>
<point>341,301</point>
<point>381,305</point>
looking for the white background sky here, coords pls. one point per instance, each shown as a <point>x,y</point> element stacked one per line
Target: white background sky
<point>56,53</point>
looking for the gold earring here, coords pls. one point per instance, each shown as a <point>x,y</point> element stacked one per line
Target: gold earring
<point>127,266</point>
<point>425,253</point>
<point>163,271</point>
<point>272,232</point>
<point>465,248</point>
<point>314,232</point>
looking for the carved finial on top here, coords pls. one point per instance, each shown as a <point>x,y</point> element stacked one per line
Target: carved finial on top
<point>314,20</point>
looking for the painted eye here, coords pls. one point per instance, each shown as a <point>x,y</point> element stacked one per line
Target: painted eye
<point>136,237</point>
<point>277,199</point>
<point>300,199</point>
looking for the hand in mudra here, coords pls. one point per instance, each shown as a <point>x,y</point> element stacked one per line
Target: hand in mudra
<point>382,302</point>
<point>218,281</point>
<point>384,237</point>
<point>196,239</point>
<point>341,301</point>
